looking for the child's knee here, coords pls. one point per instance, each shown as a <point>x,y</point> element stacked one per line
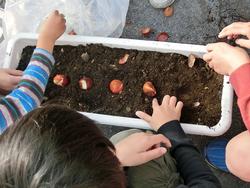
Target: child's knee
<point>238,156</point>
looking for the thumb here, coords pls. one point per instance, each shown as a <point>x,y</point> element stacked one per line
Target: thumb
<point>143,115</point>
<point>14,72</point>
<point>152,154</point>
<point>243,42</point>
<point>15,79</point>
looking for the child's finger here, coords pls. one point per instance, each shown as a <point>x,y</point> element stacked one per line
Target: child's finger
<point>157,139</point>
<point>152,154</point>
<point>228,33</point>
<point>235,36</point>
<point>211,64</point>
<point>15,80</point>
<point>172,101</point>
<point>229,37</point>
<point>207,57</point>
<point>155,103</point>
<point>233,31</point>
<point>144,116</point>
<point>62,15</point>
<point>63,18</point>
<point>56,12</point>
<point>243,42</point>
<point>233,25</point>
<point>165,100</point>
<point>179,106</point>
<point>14,72</point>
<point>156,146</point>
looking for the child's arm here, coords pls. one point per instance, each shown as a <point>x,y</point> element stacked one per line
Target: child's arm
<point>29,92</point>
<point>190,164</point>
<point>233,61</point>
<point>240,79</point>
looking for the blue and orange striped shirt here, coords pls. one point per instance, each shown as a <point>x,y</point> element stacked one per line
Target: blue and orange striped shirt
<point>29,93</point>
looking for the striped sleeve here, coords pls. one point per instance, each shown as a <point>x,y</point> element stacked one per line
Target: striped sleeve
<point>30,91</point>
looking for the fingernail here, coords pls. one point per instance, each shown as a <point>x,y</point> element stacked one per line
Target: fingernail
<point>163,150</point>
<point>137,113</point>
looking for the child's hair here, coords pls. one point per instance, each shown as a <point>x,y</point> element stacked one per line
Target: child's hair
<point>54,146</point>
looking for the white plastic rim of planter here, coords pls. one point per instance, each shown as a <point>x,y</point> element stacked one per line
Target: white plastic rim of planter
<point>19,42</point>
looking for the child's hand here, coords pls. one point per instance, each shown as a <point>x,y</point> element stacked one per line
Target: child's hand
<point>9,78</point>
<point>169,110</point>
<point>52,28</point>
<point>235,29</point>
<point>225,59</point>
<point>140,148</point>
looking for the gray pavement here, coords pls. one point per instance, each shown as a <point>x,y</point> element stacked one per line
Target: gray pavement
<point>195,22</point>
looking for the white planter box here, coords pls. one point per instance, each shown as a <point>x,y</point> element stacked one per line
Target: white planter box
<point>17,44</point>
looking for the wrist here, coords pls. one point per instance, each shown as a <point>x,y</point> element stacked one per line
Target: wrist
<point>174,132</point>
<point>234,68</point>
<point>46,43</point>
<point>164,123</point>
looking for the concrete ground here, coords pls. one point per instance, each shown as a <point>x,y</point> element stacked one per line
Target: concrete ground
<point>195,22</point>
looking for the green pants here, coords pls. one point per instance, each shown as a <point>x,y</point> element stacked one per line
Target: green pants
<point>158,173</point>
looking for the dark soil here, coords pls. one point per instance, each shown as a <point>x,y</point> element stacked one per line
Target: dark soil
<point>169,73</point>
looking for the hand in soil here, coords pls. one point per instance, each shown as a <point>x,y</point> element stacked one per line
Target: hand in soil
<point>168,111</point>
<point>9,79</point>
<point>225,59</point>
<point>140,148</point>
<point>52,28</point>
<point>234,30</point>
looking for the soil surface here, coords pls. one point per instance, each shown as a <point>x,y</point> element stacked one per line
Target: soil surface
<point>198,87</point>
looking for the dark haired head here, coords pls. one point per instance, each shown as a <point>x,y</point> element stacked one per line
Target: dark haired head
<point>54,146</point>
